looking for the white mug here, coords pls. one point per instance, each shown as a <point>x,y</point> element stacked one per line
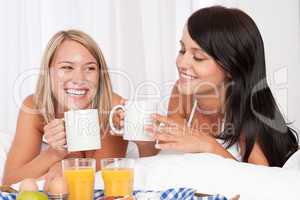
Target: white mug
<point>137,115</point>
<point>82,130</point>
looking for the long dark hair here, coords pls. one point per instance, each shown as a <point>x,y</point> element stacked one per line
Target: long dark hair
<point>232,38</point>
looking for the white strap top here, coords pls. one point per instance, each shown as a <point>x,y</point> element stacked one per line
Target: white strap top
<point>234,149</point>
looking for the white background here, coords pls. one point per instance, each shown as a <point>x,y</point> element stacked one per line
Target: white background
<point>139,38</point>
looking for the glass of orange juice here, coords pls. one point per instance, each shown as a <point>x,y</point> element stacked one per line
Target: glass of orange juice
<point>117,174</point>
<point>80,176</point>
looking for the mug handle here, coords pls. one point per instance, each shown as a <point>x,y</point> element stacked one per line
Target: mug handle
<point>46,142</point>
<point>111,124</point>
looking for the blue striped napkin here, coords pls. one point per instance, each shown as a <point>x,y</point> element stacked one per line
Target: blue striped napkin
<point>170,194</point>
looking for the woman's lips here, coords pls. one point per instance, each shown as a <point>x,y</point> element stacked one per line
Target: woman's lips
<point>76,92</point>
<point>184,77</point>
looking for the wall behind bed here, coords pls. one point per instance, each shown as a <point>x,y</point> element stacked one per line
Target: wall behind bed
<point>139,39</point>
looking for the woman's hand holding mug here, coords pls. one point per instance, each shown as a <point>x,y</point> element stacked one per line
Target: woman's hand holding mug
<point>55,136</point>
<point>128,120</point>
<point>131,118</point>
<point>78,131</point>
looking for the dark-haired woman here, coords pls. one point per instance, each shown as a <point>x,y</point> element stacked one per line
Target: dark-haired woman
<point>222,103</point>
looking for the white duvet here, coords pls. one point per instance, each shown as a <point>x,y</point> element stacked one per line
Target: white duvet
<point>212,174</point>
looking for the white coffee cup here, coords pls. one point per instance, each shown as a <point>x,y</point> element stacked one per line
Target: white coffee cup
<point>82,130</point>
<point>137,115</point>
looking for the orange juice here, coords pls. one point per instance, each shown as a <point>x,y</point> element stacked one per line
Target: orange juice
<point>80,183</point>
<point>118,181</point>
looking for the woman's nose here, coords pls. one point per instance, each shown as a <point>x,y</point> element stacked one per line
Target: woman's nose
<point>78,75</point>
<point>184,61</point>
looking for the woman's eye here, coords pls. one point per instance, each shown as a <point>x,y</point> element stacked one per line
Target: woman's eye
<point>91,68</point>
<point>181,51</point>
<point>198,59</point>
<point>66,67</point>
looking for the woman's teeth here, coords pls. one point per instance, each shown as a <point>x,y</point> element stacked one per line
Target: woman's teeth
<point>76,92</point>
<point>185,76</point>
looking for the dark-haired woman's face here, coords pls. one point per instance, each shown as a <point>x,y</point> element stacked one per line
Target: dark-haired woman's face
<point>198,72</point>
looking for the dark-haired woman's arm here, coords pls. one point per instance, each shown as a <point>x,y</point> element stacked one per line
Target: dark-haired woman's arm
<point>174,136</point>
<point>179,137</point>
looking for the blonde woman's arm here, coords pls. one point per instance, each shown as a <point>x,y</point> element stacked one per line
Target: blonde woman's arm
<point>24,159</point>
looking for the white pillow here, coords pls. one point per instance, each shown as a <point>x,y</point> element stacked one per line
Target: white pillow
<point>293,162</point>
<point>2,160</point>
<point>5,142</point>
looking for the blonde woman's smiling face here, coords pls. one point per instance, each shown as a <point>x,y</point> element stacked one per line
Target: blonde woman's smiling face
<point>74,76</point>
<point>198,72</point>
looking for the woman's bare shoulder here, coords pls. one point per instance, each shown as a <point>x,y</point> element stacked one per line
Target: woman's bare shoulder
<point>29,101</point>
<point>29,113</point>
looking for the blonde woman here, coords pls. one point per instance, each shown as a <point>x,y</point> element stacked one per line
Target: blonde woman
<point>73,75</point>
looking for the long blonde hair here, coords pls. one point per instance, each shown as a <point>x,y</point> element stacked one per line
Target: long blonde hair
<point>43,97</point>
